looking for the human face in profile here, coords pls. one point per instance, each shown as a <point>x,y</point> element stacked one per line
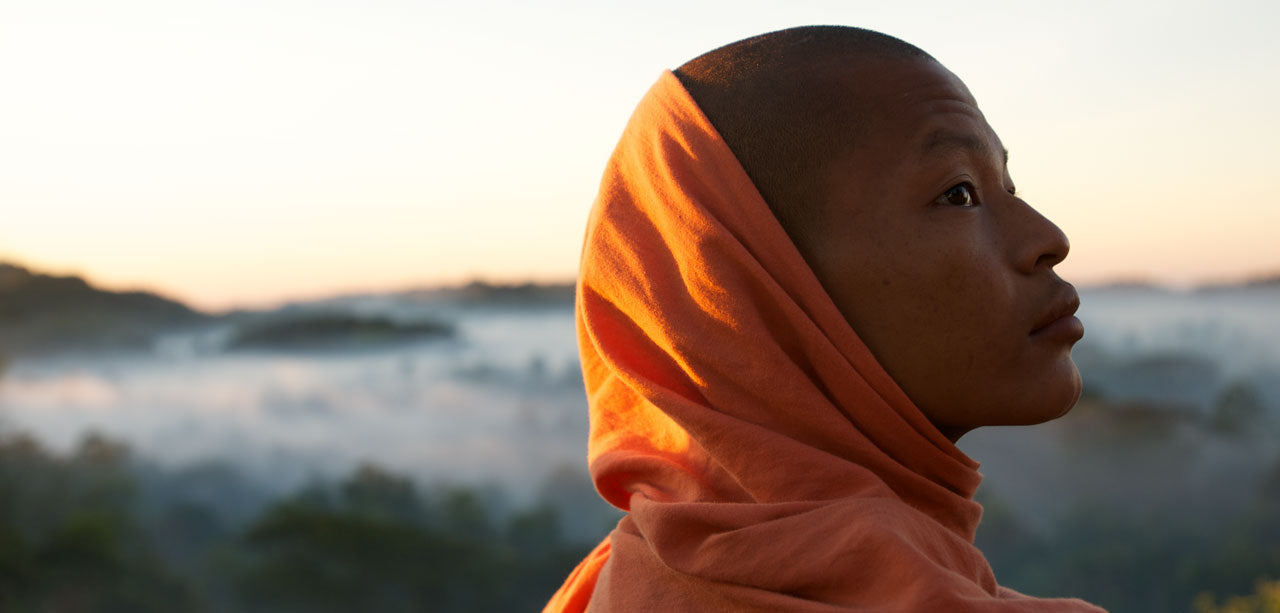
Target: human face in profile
<point>942,270</point>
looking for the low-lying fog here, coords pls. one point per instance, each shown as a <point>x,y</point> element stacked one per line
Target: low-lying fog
<point>1181,411</point>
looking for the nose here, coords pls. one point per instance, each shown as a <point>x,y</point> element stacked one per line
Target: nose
<point>1044,244</point>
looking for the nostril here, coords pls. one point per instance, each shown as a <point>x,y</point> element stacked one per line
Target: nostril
<point>1050,246</point>
<point>1049,260</point>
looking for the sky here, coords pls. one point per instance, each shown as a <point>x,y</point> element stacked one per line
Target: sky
<point>244,153</point>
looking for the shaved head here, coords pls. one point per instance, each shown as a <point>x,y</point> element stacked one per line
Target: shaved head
<point>785,104</point>
<point>896,191</point>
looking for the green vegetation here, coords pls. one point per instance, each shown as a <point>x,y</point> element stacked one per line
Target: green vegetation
<point>69,538</point>
<point>318,330</point>
<point>97,529</point>
<point>1160,563</point>
<point>1266,599</point>
<point>75,536</point>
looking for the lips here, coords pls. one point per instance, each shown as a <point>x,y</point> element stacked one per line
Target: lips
<point>1059,319</point>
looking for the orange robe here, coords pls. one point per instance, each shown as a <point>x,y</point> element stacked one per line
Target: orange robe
<point>767,462</point>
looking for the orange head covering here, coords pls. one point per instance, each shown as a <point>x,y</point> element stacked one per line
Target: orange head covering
<point>766,459</point>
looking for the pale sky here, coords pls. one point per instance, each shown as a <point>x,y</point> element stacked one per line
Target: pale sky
<point>248,152</point>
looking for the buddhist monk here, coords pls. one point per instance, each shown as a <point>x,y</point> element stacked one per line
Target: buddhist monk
<point>806,275</point>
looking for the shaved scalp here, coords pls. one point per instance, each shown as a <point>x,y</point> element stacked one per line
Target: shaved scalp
<point>784,104</point>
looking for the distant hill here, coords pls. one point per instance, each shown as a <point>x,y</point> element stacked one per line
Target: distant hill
<point>1265,281</point>
<point>1268,281</point>
<point>480,292</point>
<point>42,313</point>
<point>302,331</point>
<point>1129,285</point>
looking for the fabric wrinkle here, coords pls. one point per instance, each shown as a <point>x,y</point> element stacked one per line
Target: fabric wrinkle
<point>765,459</point>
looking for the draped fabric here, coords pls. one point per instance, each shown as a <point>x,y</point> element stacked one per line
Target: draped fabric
<point>767,462</point>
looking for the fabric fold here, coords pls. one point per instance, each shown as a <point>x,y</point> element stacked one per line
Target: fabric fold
<point>765,458</point>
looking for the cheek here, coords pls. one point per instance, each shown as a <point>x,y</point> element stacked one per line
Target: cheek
<point>937,310</point>
<point>975,325</point>
<point>966,334</point>
<point>996,373</point>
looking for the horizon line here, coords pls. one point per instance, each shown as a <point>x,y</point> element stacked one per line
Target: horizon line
<point>1119,280</point>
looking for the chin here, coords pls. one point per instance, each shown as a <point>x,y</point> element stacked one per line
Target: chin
<point>1037,400</point>
<point>1025,399</point>
<point>1065,393</point>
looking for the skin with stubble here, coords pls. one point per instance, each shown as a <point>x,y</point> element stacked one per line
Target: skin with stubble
<point>903,206</point>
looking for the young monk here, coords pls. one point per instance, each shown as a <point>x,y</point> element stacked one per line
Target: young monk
<point>806,275</point>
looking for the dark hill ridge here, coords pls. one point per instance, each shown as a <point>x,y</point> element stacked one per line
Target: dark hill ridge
<point>336,330</point>
<point>1260,281</point>
<point>41,313</point>
<point>1271,281</point>
<point>496,294</point>
<point>1268,281</point>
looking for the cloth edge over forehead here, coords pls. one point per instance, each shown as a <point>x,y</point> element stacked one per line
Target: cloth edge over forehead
<point>694,305</point>
<point>766,460</point>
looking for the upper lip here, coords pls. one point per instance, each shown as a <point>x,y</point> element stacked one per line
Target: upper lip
<point>1064,304</point>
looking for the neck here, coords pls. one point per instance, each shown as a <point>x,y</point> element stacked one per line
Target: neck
<point>953,433</point>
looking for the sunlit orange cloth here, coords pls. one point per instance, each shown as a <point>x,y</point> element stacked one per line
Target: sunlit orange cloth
<point>766,460</point>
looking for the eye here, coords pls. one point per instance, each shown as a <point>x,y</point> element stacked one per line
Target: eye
<point>959,195</point>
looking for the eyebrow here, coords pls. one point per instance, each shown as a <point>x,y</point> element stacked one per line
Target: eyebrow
<point>945,140</point>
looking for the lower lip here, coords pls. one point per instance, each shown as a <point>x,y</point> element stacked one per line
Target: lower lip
<point>1068,329</point>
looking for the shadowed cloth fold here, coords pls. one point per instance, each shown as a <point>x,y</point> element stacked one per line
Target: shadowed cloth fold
<point>766,460</point>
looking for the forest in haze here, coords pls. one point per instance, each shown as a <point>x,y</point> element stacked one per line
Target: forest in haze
<point>425,450</point>
<point>96,530</point>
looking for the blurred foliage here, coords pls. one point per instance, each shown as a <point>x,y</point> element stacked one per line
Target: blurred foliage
<point>1238,407</point>
<point>1266,599</point>
<point>74,537</point>
<point>1158,563</point>
<point>94,529</point>
<point>69,540</point>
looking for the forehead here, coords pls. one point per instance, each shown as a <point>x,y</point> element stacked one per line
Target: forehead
<point>922,112</point>
<point>951,140</point>
<point>920,120</point>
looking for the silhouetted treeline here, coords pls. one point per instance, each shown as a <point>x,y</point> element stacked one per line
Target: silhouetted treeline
<point>1156,563</point>
<point>86,531</point>
<point>42,313</point>
<point>336,329</point>
<point>77,534</point>
<point>497,294</point>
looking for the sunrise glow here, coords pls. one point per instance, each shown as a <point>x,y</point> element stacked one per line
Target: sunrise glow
<point>248,153</point>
